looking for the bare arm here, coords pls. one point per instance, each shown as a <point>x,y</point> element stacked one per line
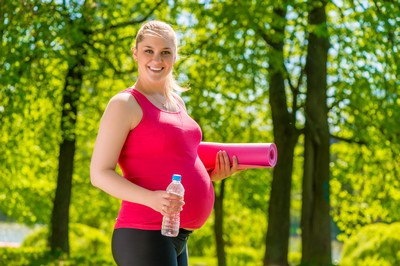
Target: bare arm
<point>122,114</point>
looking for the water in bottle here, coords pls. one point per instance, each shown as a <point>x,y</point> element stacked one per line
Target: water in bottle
<point>170,223</point>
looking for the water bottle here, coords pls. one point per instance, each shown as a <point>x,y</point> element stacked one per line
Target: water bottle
<point>170,223</point>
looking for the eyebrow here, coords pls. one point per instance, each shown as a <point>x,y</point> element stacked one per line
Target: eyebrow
<point>165,48</point>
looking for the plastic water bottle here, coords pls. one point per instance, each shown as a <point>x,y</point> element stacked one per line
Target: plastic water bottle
<point>170,223</point>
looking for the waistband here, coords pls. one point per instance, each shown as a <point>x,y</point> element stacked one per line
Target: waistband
<point>184,232</point>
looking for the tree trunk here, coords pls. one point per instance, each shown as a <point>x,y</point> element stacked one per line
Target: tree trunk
<point>315,220</point>
<point>218,224</point>
<point>59,241</point>
<point>285,137</point>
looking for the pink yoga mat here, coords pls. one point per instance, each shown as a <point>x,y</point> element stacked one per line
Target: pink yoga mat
<point>250,155</point>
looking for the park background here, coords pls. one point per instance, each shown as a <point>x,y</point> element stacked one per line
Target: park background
<point>318,78</point>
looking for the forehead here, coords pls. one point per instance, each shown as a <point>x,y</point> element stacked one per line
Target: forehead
<point>159,42</point>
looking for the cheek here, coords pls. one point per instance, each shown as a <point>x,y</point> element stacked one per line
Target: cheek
<point>170,60</point>
<point>142,59</point>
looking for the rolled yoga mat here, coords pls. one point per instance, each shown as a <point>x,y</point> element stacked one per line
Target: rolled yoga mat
<point>249,155</point>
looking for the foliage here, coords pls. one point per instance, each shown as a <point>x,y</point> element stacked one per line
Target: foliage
<point>201,242</point>
<point>375,244</point>
<point>364,100</point>
<point>362,195</point>
<point>294,258</point>
<point>85,240</point>
<point>89,246</point>
<point>37,45</point>
<point>22,256</point>
<point>243,256</point>
<point>202,261</point>
<point>28,256</point>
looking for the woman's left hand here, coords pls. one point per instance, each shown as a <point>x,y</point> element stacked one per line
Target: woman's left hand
<point>223,167</point>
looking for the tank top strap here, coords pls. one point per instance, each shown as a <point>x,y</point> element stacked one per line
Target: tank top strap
<point>178,102</point>
<point>140,98</point>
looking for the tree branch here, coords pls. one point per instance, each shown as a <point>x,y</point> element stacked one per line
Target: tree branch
<point>349,140</point>
<point>130,22</point>
<point>109,63</point>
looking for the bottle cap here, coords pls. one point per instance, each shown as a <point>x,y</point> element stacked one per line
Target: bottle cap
<point>176,177</point>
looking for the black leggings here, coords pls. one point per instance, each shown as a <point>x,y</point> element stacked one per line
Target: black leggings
<point>135,247</point>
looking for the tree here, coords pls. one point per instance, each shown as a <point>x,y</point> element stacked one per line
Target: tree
<point>285,136</point>
<point>59,239</point>
<point>315,219</point>
<point>219,222</point>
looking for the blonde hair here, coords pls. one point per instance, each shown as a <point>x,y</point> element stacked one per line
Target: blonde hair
<point>162,30</point>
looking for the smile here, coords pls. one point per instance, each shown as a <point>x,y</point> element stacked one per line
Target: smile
<point>156,69</point>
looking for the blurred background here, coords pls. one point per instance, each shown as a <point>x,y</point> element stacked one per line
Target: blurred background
<point>321,79</point>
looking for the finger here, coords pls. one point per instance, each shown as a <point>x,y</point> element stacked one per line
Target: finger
<point>226,162</point>
<point>217,161</point>
<point>164,210</point>
<point>173,204</point>
<point>172,209</point>
<point>176,203</point>
<point>235,164</point>
<point>172,196</point>
<point>223,163</point>
<point>167,195</point>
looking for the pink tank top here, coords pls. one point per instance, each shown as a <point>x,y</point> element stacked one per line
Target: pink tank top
<point>162,144</point>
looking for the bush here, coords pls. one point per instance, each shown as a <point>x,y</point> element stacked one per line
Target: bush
<point>88,246</point>
<point>28,256</point>
<point>84,240</point>
<point>243,256</point>
<point>22,256</point>
<point>374,245</point>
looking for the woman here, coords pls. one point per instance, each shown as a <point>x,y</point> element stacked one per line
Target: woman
<point>147,131</point>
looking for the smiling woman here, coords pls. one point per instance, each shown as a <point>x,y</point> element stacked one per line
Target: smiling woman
<point>148,132</point>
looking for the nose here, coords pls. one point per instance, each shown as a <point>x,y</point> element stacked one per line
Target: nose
<point>157,57</point>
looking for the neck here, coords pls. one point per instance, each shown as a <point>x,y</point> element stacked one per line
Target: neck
<point>151,87</point>
<point>159,97</point>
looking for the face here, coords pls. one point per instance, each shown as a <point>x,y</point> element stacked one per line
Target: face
<point>155,57</point>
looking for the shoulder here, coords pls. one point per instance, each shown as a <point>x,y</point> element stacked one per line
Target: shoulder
<point>124,100</point>
<point>125,105</point>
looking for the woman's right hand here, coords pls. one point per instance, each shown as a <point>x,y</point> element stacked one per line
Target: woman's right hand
<point>166,203</point>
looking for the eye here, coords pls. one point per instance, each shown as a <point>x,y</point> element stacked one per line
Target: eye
<point>148,51</point>
<point>166,52</point>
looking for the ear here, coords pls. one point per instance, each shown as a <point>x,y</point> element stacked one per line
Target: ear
<point>134,53</point>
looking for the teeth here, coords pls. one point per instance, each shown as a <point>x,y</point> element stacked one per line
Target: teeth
<point>155,69</point>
